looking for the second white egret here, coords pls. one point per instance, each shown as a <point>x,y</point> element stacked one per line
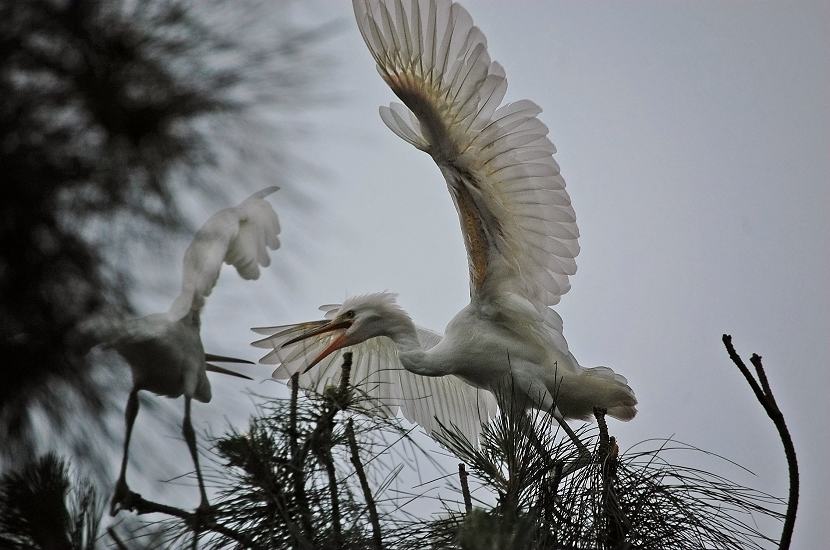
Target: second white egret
<point>164,350</point>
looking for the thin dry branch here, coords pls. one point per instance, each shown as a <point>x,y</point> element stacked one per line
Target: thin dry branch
<point>297,460</point>
<point>765,397</point>
<point>319,441</point>
<point>465,487</point>
<point>599,414</point>
<point>364,485</point>
<point>615,521</point>
<point>344,375</point>
<point>323,447</point>
<point>292,415</point>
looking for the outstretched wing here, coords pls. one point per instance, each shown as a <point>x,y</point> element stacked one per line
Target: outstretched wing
<point>239,236</point>
<point>378,374</point>
<point>519,227</point>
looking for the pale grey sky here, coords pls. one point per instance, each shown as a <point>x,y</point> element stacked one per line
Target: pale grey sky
<point>694,139</point>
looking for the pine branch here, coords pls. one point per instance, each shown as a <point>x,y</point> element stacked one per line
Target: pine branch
<point>763,393</point>
<point>322,440</point>
<point>141,506</point>
<point>319,441</point>
<point>465,488</point>
<point>615,520</point>
<point>298,469</point>
<point>599,414</point>
<point>364,484</point>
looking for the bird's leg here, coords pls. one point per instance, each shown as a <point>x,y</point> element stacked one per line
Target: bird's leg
<point>543,399</point>
<point>585,456</point>
<point>521,396</point>
<point>190,438</point>
<point>537,444</point>
<point>121,489</point>
<point>548,403</point>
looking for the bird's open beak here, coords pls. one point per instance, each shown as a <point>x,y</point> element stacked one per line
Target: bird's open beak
<point>335,344</point>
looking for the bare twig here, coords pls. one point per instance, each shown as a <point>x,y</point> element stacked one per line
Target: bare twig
<point>615,520</point>
<point>292,415</point>
<point>765,397</point>
<point>364,484</point>
<point>297,468</point>
<point>325,427</point>
<point>319,441</point>
<point>297,465</point>
<point>325,457</point>
<point>465,487</point>
<point>345,374</point>
<point>335,403</point>
<point>599,414</point>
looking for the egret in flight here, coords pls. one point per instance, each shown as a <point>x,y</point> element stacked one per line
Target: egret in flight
<point>164,350</point>
<point>519,231</point>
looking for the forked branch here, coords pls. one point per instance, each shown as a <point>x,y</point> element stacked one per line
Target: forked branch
<point>765,397</point>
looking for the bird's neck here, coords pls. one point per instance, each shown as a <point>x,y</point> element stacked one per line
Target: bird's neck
<point>402,331</point>
<point>410,351</point>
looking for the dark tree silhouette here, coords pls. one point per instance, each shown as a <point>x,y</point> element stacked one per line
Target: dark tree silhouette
<point>44,507</point>
<point>111,111</point>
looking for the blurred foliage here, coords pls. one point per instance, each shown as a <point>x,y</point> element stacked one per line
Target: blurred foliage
<point>291,481</point>
<point>43,508</point>
<point>113,112</point>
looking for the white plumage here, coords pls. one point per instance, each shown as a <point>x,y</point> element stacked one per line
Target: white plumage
<point>377,370</point>
<point>164,350</point>
<point>519,231</point>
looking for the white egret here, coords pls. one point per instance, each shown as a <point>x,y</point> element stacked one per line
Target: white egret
<point>164,350</point>
<point>519,230</point>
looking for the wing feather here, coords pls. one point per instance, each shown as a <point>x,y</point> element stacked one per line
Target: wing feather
<point>497,159</point>
<point>377,372</point>
<point>240,236</point>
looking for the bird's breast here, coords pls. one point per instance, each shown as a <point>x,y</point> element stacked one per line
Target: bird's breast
<point>482,351</point>
<point>168,363</point>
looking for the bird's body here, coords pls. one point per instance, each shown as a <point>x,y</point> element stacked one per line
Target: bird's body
<point>166,356</point>
<point>489,349</point>
<point>164,350</point>
<point>519,231</point>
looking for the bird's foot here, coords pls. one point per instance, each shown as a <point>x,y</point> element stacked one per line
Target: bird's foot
<point>201,515</point>
<point>205,509</point>
<point>122,498</point>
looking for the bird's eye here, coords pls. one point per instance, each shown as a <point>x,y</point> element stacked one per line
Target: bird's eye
<point>349,314</point>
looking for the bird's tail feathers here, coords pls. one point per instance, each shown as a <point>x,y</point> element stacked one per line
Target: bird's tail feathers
<point>612,392</point>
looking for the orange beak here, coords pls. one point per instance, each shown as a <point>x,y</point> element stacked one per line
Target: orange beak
<point>335,344</point>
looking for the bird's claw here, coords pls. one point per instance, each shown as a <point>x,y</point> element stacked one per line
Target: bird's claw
<point>203,513</point>
<point>122,499</point>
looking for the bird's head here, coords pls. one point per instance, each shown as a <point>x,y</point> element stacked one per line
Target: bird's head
<point>358,319</point>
